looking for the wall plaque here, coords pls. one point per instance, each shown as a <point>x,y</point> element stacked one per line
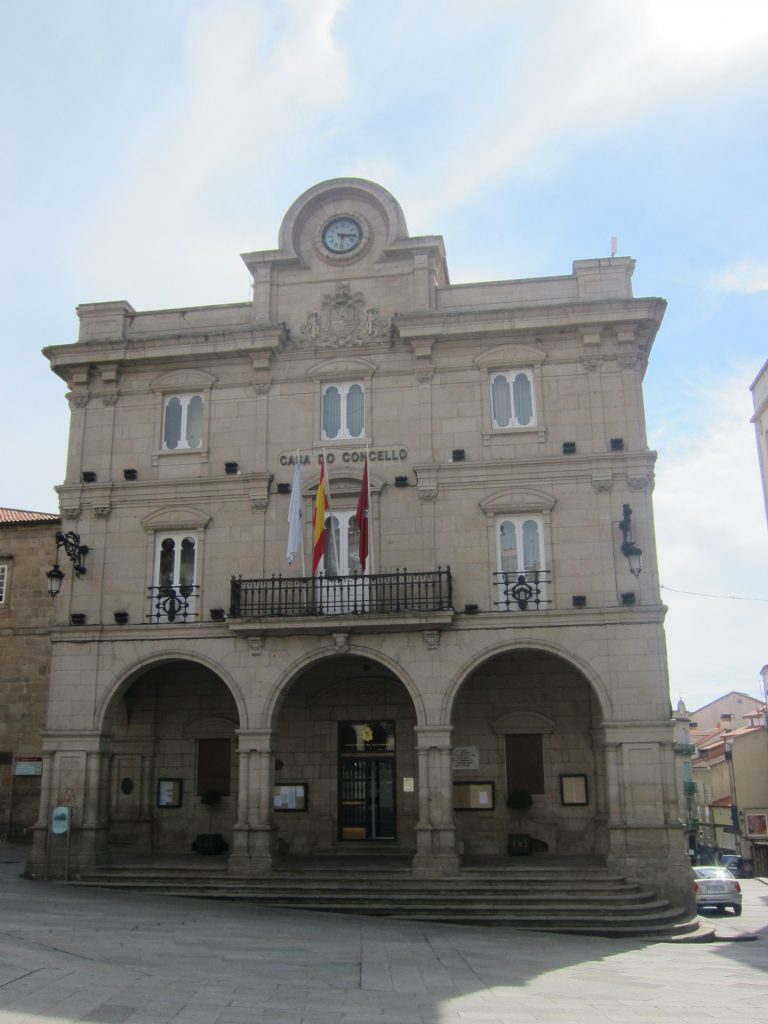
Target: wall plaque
<point>465,758</point>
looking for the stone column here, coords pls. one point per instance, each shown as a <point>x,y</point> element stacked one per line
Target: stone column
<point>35,865</point>
<point>254,836</point>
<point>435,832</point>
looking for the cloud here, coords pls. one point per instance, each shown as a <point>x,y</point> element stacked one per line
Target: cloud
<point>257,77</point>
<point>746,277</point>
<point>595,68</point>
<point>712,540</point>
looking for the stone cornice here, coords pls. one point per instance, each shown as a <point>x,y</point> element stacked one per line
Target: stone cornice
<point>503,321</point>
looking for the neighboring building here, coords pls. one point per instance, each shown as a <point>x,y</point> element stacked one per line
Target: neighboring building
<point>397,708</point>
<point>731,775</point>
<point>759,389</point>
<point>684,753</point>
<point>731,711</point>
<point>27,548</point>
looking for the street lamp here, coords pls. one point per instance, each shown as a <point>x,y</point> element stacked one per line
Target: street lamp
<point>75,552</point>
<point>629,549</point>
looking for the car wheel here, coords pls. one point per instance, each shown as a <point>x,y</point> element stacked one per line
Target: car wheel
<point>737,910</point>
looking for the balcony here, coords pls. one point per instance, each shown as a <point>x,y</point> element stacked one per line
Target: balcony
<point>391,593</point>
<point>522,591</point>
<point>685,749</point>
<point>173,604</point>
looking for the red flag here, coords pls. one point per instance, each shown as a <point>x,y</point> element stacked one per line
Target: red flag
<point>362,519</point>
<point>318,520</point>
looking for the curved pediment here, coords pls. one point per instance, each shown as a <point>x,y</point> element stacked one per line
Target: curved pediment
<point>344,368</point>
<point>184,380</point>
<point>504,357</point>
<point>527,499</point>
<point>176,517</point>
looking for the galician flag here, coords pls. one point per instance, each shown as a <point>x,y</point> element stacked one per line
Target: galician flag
<point>318,520</point>
<point>362,518</point>
<point>294,513</point>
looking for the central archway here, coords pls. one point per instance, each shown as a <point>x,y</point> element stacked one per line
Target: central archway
<point>345,760</point>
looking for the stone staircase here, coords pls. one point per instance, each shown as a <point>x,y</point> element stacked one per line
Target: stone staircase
<point>554,898</point>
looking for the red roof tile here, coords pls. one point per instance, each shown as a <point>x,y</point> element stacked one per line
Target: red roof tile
<point>15,516</point>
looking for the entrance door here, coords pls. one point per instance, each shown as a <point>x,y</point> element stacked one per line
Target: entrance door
<point>367,798</point>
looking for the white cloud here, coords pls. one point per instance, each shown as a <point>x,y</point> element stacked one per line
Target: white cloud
<point>712,540</point>
<point>595,68</point>
<point>258,75</point>
<point>745,277</point>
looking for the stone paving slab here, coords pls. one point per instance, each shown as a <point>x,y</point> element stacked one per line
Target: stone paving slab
<point>70,954</point>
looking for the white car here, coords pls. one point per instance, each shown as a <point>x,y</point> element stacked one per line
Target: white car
<point>716,888</point>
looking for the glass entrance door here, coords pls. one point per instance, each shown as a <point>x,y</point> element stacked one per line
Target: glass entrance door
<point>344,588</point>
<point>367,798</point>
<point>367,781</point>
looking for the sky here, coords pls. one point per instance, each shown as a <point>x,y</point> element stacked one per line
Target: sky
<point>147,143</point>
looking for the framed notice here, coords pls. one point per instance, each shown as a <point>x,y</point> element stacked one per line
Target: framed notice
<point>473,796</point>
<point>169,792</point>
<point>756,823</point>
<point>573,790</point>
<point>291,796</point>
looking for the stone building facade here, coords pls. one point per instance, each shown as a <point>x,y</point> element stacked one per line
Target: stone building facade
<point>497,639</point>
<point>27,548</point>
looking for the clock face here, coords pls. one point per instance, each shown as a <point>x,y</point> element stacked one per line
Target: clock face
<point>342,235</point>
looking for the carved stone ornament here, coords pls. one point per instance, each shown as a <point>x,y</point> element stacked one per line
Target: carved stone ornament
<point>629,361</point>
<point>638,483</point>
<point>344,322</point>
<point>593,364</point>
<point>71,513</point>
<point>341,641</point>
<point>261,387</point>
<point>259,502</point>
<point>109,398</point>
<point>427,494</point>
<point>256,646</point>
<point>424,376</point>
<point>431,639</point>
<point>102,511</point>
<point>602,484</point>
<point>79,401</point>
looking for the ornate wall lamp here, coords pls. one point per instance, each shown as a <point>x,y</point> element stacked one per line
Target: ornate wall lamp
<point>629,549</point>
<point>75,552</point>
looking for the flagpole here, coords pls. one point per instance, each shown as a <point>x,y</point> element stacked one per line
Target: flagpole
<point>370,515</point>
<point>301,520</point>
<point>330,512</point>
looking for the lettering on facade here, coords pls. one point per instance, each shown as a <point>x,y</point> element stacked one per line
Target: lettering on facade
<point>347,457</point>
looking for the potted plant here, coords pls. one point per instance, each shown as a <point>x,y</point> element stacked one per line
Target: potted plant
<point>210,842</point>
<point>519,800</point>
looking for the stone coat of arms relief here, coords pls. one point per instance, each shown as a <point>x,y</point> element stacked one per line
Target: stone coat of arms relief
<point>344,322</point>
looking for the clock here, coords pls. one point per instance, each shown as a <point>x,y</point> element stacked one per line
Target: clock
<point>341,235</point>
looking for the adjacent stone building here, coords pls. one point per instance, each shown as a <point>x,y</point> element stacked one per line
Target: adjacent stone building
<point>501,636</point>
<point>27,549</point>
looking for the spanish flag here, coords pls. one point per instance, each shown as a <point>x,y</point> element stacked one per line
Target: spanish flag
<point>318,520</point>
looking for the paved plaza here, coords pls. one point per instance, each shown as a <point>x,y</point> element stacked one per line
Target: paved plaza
<point>69,954</point>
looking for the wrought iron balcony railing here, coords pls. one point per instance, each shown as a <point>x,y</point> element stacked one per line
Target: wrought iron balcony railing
<point>685,749</point>
<point>173,604</point>
<point>523,591</point>
<point>387,593</point>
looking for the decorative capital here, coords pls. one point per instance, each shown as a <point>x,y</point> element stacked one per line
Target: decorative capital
<point>109,398</point>
<point>259,502</point>
<point>73,512</point>
<point>102,511</point>
<point>638,483</point>
<point>261,387</point>
<point>593,364</point>
<point>425,376</point>
<point>256,646</point>
<point>78,401</point>
<point>602,483</point>
<point>427,494</point>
